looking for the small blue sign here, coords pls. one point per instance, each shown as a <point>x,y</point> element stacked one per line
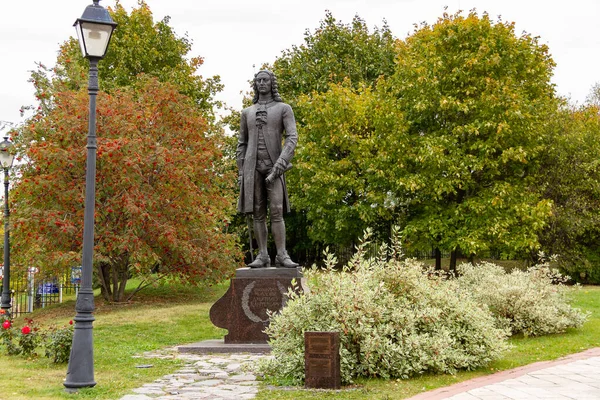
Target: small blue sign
<point>76,275</point>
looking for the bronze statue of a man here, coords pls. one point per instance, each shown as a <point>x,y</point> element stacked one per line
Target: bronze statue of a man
<point>266,145</point>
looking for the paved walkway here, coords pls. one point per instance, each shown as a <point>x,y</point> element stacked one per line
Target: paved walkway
<point>223,377</point>
<point>573,377</point>
<point>208,377</point>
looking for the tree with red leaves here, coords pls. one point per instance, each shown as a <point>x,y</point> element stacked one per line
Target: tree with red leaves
<point>163,195</point>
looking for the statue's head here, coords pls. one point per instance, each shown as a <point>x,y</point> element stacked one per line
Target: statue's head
<point>266,78</point>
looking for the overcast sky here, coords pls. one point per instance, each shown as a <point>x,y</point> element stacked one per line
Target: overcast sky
<point>234,35</point>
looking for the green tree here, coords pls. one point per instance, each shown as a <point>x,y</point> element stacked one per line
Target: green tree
<point>335,52</point>
<point>351,154</point>
<point>571,179</point>
<point>476,98</point>
<point>162,198</point>
<point>138,46</point>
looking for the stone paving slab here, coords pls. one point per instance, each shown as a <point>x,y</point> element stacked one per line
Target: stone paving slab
<point>210,377</point>
<point>575,377</point>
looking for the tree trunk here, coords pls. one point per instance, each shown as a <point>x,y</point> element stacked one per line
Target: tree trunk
<point>113,279</point>
<point>453,255</point>
<point>438,259</point>
<point>115,282</point>
<point>120,269</point>
<point>123,276</point>
<point>104,278</point>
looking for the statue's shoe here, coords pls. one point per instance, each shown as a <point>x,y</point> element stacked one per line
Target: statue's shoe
<point>261,261</point>
<point>285,261</point>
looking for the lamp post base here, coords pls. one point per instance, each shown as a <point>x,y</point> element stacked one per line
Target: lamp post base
<point>81,361</point>
<point>80,372</point>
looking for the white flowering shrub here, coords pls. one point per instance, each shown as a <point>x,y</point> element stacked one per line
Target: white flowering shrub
<point>532,302</point>
<point>394,318</point>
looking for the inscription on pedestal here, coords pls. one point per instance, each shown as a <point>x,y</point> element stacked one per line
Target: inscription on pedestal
<point>243,310</point>
<point>322,360</point>
<point>257,298</point>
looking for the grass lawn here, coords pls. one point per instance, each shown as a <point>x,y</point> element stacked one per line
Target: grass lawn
<point>156,318</point>
<point>170,315</point>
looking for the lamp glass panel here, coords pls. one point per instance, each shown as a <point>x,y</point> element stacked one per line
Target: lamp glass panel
<point>96,37</point>
<point>6,159</point>
<point>80,38</point>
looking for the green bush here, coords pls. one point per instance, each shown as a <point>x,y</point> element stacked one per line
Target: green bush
<point>58,342</point>
<point>531,302</point>
<point>394,319</point>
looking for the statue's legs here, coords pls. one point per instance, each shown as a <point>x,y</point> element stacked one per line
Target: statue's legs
<point>260,221</point>
<point>273,193</point>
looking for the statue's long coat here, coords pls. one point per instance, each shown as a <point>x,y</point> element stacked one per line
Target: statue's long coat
<point>281,125</point>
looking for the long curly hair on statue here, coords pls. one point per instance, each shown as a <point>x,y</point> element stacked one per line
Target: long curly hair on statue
<point>274,90</point>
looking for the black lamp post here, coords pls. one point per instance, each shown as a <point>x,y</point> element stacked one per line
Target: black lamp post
<point>94,30</point>
<point>6,160</point>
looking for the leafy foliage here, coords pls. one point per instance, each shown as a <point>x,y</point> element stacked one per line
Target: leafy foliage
<point>394,320</point>
<point>571,179</point>
<point>58,342</point>
<point>29,338</point>
<point>593,98</point>
<point>350,155</point>
<point>447,145</point>
<point>335,52</point>
<point>9,334</point>
<point>532,302</point>
<point>163,196</point>
<point>476,98</point>
<point>397,318</point>
<point>138,46</point>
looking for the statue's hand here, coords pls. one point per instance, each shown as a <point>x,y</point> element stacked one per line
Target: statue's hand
<point>278,169</point>
<point>240,179</point>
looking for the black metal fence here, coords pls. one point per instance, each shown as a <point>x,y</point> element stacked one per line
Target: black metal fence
<point>30,290</point>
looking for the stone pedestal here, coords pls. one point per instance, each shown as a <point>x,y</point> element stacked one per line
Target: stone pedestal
<point>253,291</point>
